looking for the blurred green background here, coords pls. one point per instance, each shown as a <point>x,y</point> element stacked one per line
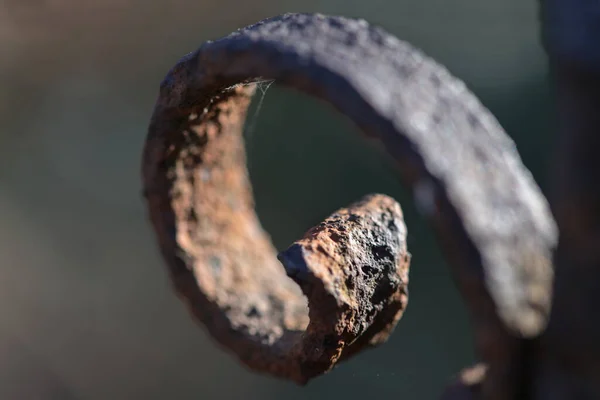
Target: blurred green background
<point>86,308</point>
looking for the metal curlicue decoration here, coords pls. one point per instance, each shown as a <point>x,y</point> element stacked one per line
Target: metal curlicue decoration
<point>344,286</point>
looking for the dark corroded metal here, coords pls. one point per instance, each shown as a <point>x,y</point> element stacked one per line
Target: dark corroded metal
<point>465,173</point>
<point>569,351</point>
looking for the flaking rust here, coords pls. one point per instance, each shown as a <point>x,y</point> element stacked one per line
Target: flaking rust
<point>492,221</point>
<point>350,272</point>
<point>353,267</point>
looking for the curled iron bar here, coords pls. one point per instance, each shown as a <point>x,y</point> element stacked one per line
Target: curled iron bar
<point>490,217</point>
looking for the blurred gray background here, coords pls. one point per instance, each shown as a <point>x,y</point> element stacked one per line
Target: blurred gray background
<point>86,308</point>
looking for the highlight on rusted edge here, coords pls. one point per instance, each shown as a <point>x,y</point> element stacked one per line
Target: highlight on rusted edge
<point>466,175</point>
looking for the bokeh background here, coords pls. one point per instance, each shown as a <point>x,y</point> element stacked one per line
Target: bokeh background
<point>86,308</point>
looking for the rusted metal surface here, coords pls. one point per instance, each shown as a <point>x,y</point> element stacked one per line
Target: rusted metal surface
<point>352,268</point>
<point>464,171</point>
<point>569,351</point>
